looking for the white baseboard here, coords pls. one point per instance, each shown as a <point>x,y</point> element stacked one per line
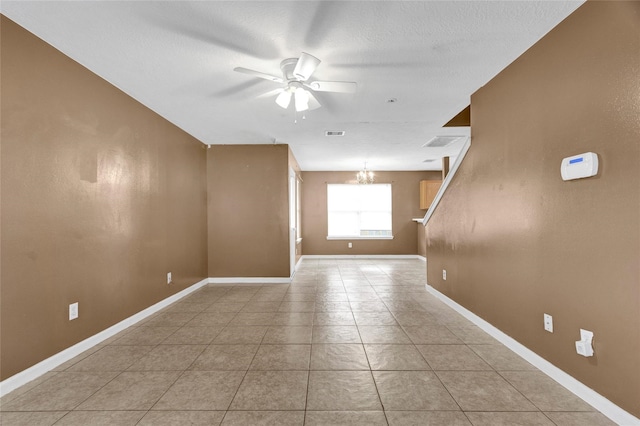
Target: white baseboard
<point>52,362</point>
<point>361,256</point>
<point>424,259</point>
<point>249,280</point>
<point>599,402</point>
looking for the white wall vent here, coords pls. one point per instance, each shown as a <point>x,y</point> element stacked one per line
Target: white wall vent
<point>441,141</point>
<point>334,133</point>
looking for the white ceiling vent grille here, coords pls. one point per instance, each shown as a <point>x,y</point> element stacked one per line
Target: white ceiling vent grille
<point>441,141</point>
<point>334,133</point>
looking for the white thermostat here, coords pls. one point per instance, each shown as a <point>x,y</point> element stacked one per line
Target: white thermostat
<point>579,166</point>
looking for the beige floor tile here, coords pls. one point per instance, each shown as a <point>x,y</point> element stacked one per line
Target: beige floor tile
<point>64,391</point>
<point>412,390</point>
<point>30,418</point>
<point>297,307</point>
<point>342,391</point>
<point>334,318</point>
<point>579,419</point>
<point>268,297</point>
<point>282,357</point>
<point>338,357</point>
<point>208,319</point>
<point>251,318</point>
<point>473,335</point>
<point>201,390</point>
<point>452,357</point>
<point>168,357</point>
<point>240,335</point>
<point>225,357</point>
<point>333,306</point>
<point>193,335</point>
<point>99,418</point>
<point>395,357</point>
<point>65,365</point>
<point>377,306</point>
<point>170,319</point>
<point>382,334</point>
<point>431,335</point>
<point>509,419</point>
<point>112,358</point>
<point>544,392</point>
<point>397,306</point>
<point>332,296</point>
<point>336,334</point>
<point>178,418</point>
<point>501,358</point>
<point>264,418</point>
<point>136,390</point>
<point>293,318</point>
<point>374,318</point>
<point>16,393</point>
<point>225,307</point>
<point>299,297</point>
<point>412,319</point>
<point>193,307</point>
<point>345,418</point>
<point>483,391</point>
<point>272,390</point>
<point>427,418</point>
<point>288,335</point>
<point>144,336</point>
<point>261,306</point>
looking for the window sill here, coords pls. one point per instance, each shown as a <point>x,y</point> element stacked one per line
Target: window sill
<point>375,237</point>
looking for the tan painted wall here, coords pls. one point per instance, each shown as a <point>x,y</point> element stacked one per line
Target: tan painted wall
<point>101,198</point>
<point>405,206</point>
<point>248,211</point>
<point>516,240</point>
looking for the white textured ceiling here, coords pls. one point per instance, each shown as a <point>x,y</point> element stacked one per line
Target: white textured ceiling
<point>177,58</point>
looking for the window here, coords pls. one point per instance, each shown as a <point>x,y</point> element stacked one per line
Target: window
<point>359,211</point>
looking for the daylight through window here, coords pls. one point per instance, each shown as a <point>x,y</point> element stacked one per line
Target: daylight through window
<point>359,211</point>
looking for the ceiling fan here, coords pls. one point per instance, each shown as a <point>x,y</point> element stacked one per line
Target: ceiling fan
<point>295,75</point>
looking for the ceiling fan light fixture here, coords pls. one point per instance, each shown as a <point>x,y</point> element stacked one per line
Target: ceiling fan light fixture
<point>284,99</point>
<point>301,98</point>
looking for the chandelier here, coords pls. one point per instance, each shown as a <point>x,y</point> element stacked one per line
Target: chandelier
<point>365,176</point>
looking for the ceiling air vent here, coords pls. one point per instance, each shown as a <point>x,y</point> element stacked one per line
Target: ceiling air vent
<point>441,141</point>
<point>334,133</point>
<point>430,160</point>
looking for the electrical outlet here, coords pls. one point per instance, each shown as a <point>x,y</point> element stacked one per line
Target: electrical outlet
<point>350,245</point>
<point>548,323</point>
<point>73,311</point>
<point>444,274</point>
<point>168,277</point>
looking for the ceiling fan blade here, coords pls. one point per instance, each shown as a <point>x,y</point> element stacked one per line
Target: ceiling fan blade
<point>270,93</point>
<point>333,86</point>
<point>305,66</point>
<point>259,74</point>
<point>313,102</point>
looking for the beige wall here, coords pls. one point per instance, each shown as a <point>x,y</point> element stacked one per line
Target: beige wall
<point>248,211</point>
<point>405,206</point>
<point>101,198</point>
<point>516,240</point>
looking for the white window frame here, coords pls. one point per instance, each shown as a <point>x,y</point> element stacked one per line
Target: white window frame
<point>360,237</point>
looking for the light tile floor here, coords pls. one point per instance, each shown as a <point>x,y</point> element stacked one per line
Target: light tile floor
<point>349,342</point>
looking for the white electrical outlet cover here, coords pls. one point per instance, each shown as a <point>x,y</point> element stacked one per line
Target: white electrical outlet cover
<point>548,323</point>
<point>73,311</point>
<point>444,274</point>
